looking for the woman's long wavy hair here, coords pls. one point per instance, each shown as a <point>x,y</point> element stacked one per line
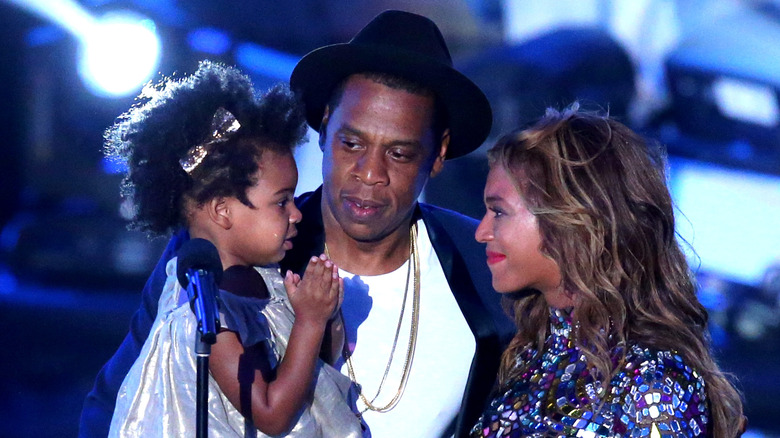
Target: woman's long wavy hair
<point>598,191</point>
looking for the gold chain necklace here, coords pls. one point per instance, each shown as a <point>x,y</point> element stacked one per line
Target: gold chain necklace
<point>414,259</point>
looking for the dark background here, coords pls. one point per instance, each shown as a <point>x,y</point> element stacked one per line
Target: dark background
<point>70,272</point>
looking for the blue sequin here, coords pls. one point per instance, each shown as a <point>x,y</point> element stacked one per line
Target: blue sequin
<point>557,395</point>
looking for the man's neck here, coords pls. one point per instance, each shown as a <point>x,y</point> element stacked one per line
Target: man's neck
<point>367,258</point>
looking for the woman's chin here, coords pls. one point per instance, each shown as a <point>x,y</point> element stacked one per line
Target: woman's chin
<point>517,294</point>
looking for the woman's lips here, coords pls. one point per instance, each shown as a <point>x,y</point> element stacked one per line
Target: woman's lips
<point>494,257</point>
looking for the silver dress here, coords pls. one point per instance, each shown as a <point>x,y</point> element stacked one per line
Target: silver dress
<point>158,395</point>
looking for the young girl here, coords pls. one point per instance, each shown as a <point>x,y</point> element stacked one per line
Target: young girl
<point>206,155</point>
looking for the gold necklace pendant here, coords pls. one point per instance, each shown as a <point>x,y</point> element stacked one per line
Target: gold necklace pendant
<point>414,261</point>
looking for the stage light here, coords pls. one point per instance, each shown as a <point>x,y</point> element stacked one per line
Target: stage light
<point>119,51</point>
<point>746,101</point>
<point>119,54</point>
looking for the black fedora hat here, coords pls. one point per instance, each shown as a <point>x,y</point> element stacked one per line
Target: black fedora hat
<point>406,45</point>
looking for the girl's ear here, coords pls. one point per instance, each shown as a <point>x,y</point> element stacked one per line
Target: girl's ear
<point>220,213</point>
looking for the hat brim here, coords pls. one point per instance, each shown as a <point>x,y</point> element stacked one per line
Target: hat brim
<point>469,113</point>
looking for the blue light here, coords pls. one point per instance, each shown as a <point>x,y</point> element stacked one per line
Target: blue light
<point>112,166</point>
<point>729,217</point>
<point>741,150</point>
<point>43,35</point>
<point>119,55</point>
<point>265,61</point>
<point>209,40</point>
<point>119,52</point>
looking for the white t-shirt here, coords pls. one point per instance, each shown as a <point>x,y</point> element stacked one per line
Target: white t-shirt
<point>443,355</point>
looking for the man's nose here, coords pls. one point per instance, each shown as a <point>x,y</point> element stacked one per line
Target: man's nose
<point>371,168</point>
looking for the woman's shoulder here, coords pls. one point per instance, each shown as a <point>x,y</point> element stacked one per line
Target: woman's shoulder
<point>651,366</point>
<point>658,392</point>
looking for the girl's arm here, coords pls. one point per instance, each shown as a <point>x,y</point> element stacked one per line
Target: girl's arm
<point>333,342</point>
<point>271,399</point>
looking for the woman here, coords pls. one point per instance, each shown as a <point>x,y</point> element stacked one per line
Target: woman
<point>611,338</point>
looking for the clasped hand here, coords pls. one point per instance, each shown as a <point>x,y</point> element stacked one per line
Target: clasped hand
<point>316,297</point>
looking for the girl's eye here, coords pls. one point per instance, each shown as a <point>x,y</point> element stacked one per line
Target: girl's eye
<point>496,212</point>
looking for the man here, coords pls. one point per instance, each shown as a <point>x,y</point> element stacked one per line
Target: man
<point>424,328</point>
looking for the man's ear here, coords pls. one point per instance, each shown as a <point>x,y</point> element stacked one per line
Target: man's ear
<point>438,162</point>
<point>324,127</point>
<point>219,212</point>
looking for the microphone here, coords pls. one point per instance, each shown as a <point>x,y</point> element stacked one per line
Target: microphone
<point>199,270</point>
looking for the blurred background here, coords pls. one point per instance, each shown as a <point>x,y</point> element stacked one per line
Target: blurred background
<point>700,76</point>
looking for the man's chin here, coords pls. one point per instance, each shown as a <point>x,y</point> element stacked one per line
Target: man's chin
<point>366,232</point>
<point>365,235</point>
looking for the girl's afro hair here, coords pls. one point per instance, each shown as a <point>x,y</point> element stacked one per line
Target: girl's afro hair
<point>173,116</point>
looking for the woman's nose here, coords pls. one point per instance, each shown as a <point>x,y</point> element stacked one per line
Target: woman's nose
<point>484,230</point>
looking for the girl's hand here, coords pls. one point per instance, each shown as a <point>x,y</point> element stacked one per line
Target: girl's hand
<point>275,404</point>
<point>318,295</point>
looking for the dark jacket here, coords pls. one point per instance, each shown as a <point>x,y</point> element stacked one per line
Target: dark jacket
<point>461,258</point>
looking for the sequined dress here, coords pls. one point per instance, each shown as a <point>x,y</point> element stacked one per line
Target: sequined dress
<point>158,396</point>
<point>653,394</point>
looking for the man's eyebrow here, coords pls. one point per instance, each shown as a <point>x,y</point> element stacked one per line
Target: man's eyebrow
<point>410,143</point>
<point>285,190</point>
<point>348,129</point>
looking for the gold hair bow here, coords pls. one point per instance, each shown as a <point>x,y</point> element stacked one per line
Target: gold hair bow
<point>223,125</point>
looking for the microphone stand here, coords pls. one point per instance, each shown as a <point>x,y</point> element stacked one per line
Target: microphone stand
<point>203,351</point>
<point>202,293</point>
